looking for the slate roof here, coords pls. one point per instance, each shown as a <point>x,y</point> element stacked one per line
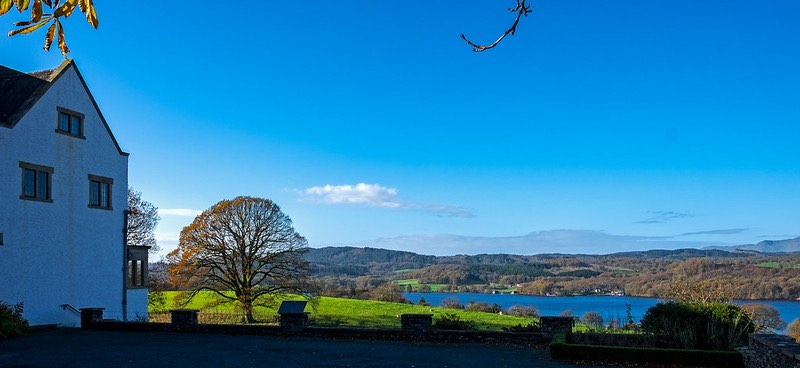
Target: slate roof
<point>19,91</point>
<point>292,307</point>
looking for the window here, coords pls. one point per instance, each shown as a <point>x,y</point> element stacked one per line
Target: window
<point>136,268</point>
<point>36,182</point>
<point>70,122</point>
<point>100,192</point>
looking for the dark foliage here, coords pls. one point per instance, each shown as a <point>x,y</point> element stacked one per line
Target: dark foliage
<point>11,321</point>
<point>671,357</point>
<point>716,326</point>
<point>452,321</point>
<point>534,326</point>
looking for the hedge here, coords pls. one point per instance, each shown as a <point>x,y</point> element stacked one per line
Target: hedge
<point>723,359</point>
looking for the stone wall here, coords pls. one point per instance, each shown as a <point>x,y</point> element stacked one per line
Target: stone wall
<point>554,325</point>
<point>771,351</point>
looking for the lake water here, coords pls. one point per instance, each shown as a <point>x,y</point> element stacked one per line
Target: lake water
<point>609,307</point>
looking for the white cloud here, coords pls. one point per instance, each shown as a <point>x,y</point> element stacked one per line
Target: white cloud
<point>180,212</point>
<point>365,194</point>
<point>376,195</point>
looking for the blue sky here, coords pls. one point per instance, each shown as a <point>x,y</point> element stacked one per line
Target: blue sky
<point>599,127</point>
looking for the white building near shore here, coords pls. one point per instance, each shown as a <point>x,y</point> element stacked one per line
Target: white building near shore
<point>63,202</point>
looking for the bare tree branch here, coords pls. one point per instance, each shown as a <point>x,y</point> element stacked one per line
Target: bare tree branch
<point>521,9</point>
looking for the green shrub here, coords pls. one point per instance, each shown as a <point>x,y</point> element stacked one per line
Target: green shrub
<point>452,321</point>
<point>530,327</point>
<point>727,359</point>
<point>718,326</point>
<point>11,321</point>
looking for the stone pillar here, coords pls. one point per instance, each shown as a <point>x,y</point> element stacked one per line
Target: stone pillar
<point>553,325</point>
<point>90,316</point>
<point>184,317</point>
<point>417,323</point>
<point>294,322</point>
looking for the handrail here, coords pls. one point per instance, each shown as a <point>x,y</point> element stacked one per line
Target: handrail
<point>69,307</point>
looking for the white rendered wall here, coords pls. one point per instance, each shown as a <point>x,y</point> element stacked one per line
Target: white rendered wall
<point>61,252</point>
<point>137,304</point>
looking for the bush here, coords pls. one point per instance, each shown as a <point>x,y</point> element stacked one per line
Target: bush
<point>727,359</point>
<point>483,307</point>
<point>11,321</point>
<point>452,321</point>
<point>452,303</point>
<point>699,325</point>
<point>592,319</point>
<point>530,327</point>
<point>523,311</point>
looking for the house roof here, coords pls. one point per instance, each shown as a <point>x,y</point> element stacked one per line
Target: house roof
<point>20,91</point>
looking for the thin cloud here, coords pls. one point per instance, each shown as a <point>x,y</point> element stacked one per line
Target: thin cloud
<point>375,195</point>
<point>550,241</point>
<point>660,217</point>
<point>716,232</point>
<point>179,212</point>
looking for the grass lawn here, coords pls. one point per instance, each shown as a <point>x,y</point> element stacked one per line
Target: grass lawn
<point>358,313</point>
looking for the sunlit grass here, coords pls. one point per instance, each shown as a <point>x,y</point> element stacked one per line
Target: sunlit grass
<point>352,312</point>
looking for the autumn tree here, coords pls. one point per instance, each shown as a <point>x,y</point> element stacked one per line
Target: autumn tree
<point>245,251</point>
<point>794,329</point>
<point>58,11</point>
<point>700,291</point>
<point>766,318</point>
<point>142,221</point>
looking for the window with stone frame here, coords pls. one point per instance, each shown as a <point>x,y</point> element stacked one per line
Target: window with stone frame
<point>100,192</point>
<point>37,182</point>
<point>70,122</point>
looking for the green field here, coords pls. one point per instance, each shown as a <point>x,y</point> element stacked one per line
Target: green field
<point>415,284</point>
<point>777,265</point>
<point>357,313</point>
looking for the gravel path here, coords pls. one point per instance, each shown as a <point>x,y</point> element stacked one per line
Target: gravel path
<point>83,348</point>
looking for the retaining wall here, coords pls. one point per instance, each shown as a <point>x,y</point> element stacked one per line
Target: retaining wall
<point>771,351</point>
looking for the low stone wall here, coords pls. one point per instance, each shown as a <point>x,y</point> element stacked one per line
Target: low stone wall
<point>344,333</point>
<point>771,351</point>
<point>180,324</point>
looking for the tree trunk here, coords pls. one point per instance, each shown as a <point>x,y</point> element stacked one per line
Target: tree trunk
<point>247,307</point>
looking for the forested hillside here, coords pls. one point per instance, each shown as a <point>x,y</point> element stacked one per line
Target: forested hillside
<point>351,271</point>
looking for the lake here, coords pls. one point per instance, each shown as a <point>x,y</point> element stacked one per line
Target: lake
<point>609,307</point>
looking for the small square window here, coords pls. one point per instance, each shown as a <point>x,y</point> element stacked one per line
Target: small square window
<point>100,192</point>
<point>36,182</point>
<point>70,122</point>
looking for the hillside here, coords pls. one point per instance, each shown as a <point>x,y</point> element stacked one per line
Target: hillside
<point>767,246</point>
<point>354,271</point>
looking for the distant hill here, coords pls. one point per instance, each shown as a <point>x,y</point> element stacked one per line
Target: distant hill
<point>354,261</point>
<point>766,246</point>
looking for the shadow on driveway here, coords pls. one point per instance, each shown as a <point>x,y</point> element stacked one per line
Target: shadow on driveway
<point>84,348</point>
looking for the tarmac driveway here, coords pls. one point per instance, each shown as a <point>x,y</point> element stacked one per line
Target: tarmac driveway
<point>84,348</point>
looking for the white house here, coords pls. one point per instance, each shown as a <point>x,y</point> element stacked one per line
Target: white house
<point>63,202</point>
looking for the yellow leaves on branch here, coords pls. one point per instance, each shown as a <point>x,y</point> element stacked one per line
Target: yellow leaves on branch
<point>61,10</point>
